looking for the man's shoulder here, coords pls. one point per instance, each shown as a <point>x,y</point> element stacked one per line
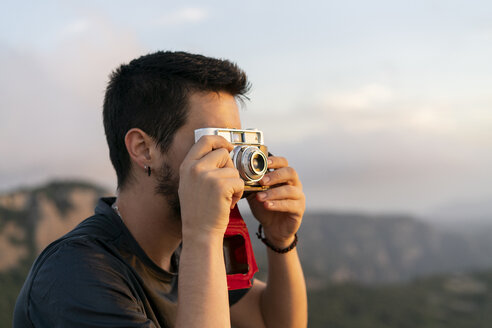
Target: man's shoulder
<point>74,255</point>
<point>93,233</point>
<point>77,268</point>
<point>91,242</point>
<point>78,257</point>
<point>99,225</point>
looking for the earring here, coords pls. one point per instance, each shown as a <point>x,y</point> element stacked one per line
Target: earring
<point>148,169</point>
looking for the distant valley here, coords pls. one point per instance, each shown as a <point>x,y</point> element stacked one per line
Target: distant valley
<point>336,249</point>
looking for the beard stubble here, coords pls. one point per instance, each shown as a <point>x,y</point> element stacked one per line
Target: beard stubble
<point>167,186</point>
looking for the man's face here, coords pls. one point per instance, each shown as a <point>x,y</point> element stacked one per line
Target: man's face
<point>205,110</point>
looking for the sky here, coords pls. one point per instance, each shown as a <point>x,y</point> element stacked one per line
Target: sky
<point>381,106</point>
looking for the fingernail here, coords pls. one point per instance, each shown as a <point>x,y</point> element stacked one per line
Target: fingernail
<point>270,204</point>
<point>262,195</point>
<point>265,179</point>
<point>269,162</point>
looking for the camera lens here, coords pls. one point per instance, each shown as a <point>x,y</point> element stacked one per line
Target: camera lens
<point>258,162</point>
<point>250,161</point>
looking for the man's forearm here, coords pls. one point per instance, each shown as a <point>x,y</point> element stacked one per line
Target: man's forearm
<point>284,301</point>
<point>202,298</point>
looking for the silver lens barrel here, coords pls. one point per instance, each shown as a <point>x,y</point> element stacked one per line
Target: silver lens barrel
<point>250,161</point>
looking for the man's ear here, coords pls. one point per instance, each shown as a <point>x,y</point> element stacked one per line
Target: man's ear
<point>140,147</point>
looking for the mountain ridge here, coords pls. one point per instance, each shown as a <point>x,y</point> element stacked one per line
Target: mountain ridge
<point>335,248</point>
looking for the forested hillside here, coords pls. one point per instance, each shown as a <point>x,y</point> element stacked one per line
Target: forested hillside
<point>360,269</point>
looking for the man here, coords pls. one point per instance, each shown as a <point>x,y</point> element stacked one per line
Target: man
<point>120,267</point>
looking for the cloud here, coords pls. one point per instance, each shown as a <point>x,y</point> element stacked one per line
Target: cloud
<point>74,28</point>
<point>366,98</point>
<point>51,102</point>
<point>378,147</point>
<point>376,107</point>
<point>375,145</point>
<point>187,15</point>
<point>368,109</point>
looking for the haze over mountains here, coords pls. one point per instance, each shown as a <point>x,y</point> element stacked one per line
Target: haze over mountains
<point>334,247</point>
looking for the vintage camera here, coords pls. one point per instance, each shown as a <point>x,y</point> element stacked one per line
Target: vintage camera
<point>250,159</point>
<point>249,154</point>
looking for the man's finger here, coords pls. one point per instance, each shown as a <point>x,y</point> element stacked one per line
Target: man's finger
<point>234,184</point>
<point>281,192</point>
<point>217,158</point>
<point>275,162</point>
<point>282,175</point>
<point>226,173</point>
<point>238,193</point>
<point>205,145</point>
<point>285,205</point>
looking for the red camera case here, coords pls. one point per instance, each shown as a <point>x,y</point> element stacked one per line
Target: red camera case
<point>238,253</point>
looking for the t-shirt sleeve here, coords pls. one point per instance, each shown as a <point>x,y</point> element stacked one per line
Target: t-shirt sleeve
<point>81,285</point>
<point>236,295</point>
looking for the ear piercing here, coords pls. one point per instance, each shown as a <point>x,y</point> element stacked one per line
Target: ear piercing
<point>148,169</point>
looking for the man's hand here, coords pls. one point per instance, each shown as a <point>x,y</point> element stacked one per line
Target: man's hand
<point>282,302</point>
<point>209,187</point>
<point>280,208</point>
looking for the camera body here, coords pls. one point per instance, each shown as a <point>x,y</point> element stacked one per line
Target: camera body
<point>249,154</point>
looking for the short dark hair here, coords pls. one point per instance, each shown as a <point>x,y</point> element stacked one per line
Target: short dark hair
<point>152,92</point>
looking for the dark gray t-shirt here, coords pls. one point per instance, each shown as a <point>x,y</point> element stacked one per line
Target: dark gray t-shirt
<point>98,276</point>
